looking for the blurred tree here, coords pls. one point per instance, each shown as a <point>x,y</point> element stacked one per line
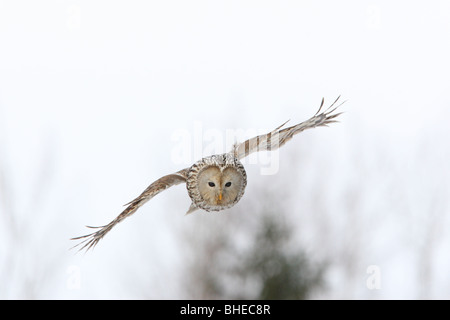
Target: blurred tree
<point>282,273</point>
<point>270,266</point>
<point>29,257</point>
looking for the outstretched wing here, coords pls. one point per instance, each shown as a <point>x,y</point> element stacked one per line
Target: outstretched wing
<point>91,240</point>
<point>277,138</point>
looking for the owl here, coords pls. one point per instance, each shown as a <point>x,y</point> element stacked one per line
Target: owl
<point>216,182</point>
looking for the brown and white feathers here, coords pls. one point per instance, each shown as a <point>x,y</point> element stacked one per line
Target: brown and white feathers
<point>216,182</point>
<point>278,137</point>
<point>90,240</point>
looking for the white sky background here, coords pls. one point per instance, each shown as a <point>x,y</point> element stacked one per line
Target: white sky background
<point>92,92</point>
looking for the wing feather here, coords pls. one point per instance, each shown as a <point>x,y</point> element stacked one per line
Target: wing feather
<point>90,240</point>
<point>278,137</point>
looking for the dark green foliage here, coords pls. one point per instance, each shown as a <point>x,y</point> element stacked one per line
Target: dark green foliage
<point>282,270</point>
<point>272,265</point>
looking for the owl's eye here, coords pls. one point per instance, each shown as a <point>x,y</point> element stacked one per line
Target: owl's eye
<point>228,184</point>
<point>211,184</point>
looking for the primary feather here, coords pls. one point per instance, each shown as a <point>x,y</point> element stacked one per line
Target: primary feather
<point>277,138</point>
<point>90,240</point>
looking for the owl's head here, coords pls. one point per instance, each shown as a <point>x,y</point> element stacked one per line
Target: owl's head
<point>216,183</point>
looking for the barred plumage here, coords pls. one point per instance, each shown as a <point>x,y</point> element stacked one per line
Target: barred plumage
<point>217,182</point>
<point>277,138</point>
<point>223,161</point>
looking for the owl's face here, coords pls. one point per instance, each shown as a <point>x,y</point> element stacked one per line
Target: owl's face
<point>219,187</point>
<point>216,183</point>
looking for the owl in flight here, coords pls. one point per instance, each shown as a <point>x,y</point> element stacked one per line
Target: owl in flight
<point>216,182</point>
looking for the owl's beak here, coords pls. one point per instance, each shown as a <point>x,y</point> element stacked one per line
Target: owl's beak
<point>220,196</point>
